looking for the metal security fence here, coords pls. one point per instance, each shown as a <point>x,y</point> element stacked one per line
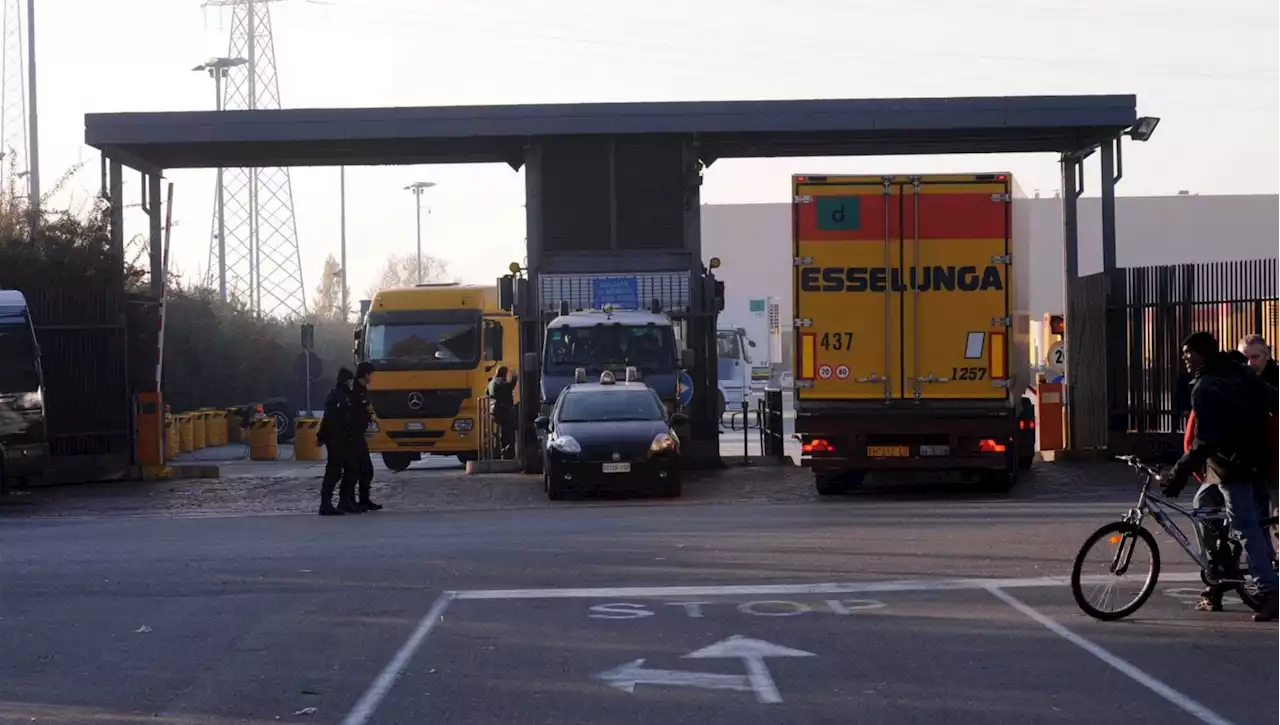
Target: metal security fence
<point>1152,309</point>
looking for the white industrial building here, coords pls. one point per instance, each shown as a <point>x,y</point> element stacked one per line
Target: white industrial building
<point>753,242</point>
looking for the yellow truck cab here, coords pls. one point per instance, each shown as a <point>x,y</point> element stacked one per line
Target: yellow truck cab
<point>911,322</point>
<point>435,348</point>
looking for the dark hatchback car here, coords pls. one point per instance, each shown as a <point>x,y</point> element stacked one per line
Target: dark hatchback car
<point>610,436</point>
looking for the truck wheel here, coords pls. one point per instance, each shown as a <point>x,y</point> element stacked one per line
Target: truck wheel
<point>835,483</point>
<point>998,481</point>
<point>397,462</point>
<point>1025,462</point>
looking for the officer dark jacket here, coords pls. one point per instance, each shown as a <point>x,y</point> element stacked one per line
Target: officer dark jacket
<point>1271,374</point>
<point>360,407</point>
<point>341,425</point>
<point>1231,406</point>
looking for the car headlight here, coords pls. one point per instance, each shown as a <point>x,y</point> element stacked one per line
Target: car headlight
<point>463,425</point>
<point>565,444</point>
<point>663,442</point>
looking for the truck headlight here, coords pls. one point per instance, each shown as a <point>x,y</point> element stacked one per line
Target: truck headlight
<point>662,443</point>
<point>565,444</point>
<point>463,425</point>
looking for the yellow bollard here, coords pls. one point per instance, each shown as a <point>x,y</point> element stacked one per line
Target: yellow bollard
<point>184,433</point>
<point>171,447</point>
<point>235,433</point>
<point>215,428</point>
<point>305,445</point>
<point>262,440</point>
<point>199,431</point>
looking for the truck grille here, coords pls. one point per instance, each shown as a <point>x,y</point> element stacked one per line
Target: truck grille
<point>391,404</point>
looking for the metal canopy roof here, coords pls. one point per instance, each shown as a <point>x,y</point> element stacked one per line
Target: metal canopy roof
<point>726,129</point>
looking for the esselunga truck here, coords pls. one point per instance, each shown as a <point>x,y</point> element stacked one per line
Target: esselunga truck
<point>911,321</point>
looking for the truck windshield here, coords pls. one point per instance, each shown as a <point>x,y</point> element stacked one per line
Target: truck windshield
<point>423,339</point>
<point>648,347</point>
<point>19,368</point>
<point>729,346</point>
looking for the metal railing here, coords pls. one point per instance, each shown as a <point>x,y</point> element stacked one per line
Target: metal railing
<point>771,425</point>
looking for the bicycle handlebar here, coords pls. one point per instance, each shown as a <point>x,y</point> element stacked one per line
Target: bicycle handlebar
<point>1136,464</point>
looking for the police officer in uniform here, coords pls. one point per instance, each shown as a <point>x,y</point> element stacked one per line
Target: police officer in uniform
<point>360,460</point>
<point>339,433</point>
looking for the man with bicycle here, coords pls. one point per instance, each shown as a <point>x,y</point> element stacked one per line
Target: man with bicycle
<point>1231,409</point>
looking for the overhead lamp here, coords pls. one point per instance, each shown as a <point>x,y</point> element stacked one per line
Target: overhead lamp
<point>1143,128</point>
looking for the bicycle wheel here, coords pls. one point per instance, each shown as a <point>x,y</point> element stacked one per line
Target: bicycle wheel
<point>1242,581</point>
<point>1120,544</point>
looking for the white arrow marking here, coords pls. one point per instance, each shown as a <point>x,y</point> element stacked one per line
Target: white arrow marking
<point>752,653</point>
<point>635,673</point>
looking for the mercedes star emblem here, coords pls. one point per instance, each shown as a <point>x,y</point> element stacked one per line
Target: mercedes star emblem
<point>617,456</point>
<point>416,400</point>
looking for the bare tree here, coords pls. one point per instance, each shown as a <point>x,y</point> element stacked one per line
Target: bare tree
<point>327,303</point>
<point>401,270</point>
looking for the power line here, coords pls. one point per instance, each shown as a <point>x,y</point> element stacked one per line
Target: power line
<point>263,265</point>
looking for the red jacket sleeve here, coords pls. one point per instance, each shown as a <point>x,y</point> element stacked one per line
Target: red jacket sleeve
<point>1190,436</point>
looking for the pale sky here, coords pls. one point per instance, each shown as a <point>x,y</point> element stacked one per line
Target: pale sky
<point>1209,70</point>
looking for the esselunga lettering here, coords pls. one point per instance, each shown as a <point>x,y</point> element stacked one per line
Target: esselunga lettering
<point>897,279</point>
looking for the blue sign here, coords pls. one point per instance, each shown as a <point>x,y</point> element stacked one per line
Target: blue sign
<point>618,292</point>
<point>684,388</point>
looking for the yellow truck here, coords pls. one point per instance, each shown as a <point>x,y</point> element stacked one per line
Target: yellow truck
<point>434,348</point>
<point>912,328</point>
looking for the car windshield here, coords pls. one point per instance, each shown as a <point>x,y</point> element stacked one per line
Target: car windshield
<point>611,405</point>
<point>648,347</point>
<point>19,369</point>
<point>728,345</point>
<point>423,340</point>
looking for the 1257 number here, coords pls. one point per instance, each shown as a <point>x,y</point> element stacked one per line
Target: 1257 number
<point>837,341</point>
<point>968,373</point>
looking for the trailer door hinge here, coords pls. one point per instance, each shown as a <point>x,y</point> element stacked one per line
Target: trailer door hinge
<point>1001,197</point>
<point>802,322</point>
<point>801,261</point>
<point>804,384</point>
<point>802,199</point>
<point>1002,322</point>
<point>1002,259</point>
<point>1001,383</point>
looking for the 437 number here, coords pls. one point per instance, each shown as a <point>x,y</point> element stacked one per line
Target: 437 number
<point>837,341</point>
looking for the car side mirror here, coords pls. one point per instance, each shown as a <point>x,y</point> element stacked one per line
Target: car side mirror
<point>679,419</point>
<point>686,359</point>
<point>751,343</point>
<point>542,423</point>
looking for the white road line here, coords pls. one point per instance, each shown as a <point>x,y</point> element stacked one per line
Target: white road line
<point>909,585</point>
<point>372,697</point>
<point>1191,707</point>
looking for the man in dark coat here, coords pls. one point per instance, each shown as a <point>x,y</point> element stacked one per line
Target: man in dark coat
<point>339,433</point>
<point>360,455</point>
<point>1230,445</point>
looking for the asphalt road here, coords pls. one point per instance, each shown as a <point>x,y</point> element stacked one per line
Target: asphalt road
<point>872,609</point>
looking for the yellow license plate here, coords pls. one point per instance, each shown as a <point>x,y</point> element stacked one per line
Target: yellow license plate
<point>888,451</point>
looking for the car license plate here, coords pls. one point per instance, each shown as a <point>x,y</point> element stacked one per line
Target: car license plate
<point>935,451</point>
<point>413,426</point>
<point>616,468</point>
<point>889,451</point>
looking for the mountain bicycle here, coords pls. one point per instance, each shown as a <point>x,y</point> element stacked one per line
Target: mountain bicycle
<point>1220,564</point>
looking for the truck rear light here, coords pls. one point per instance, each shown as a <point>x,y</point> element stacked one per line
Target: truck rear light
<point>816,445</point>
<point>988,445</point>
<point>1027,424</point>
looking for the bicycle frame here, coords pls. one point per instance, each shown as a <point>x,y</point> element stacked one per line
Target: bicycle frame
<point>1158,507</point>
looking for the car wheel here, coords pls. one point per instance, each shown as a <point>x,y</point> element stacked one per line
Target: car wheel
<point>671,487</point>
<point>397,462</point>
<point>555,485</point>
<point>720,404</point>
